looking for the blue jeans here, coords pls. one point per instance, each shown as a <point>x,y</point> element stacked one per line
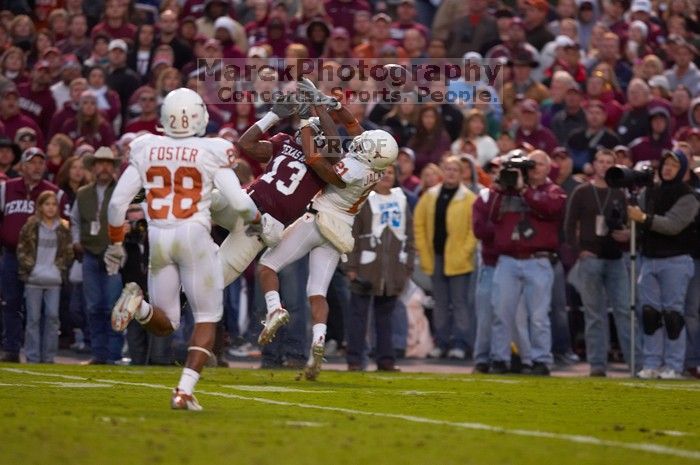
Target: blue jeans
<point>399,326</point>
<point>692,319</point>
<point>612,277</point>
<point>383,307</point>
<point>450,315</point>
<point>12,295</point>
<point>290,341</point>
<point>532,279</point>
<point>558,317</point>
<point>663,284</point>
<point>41,341</point>
<point>484,313</point>
<point>101,292</point>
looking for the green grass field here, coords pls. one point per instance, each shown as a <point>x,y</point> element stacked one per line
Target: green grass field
<point>60,414</point>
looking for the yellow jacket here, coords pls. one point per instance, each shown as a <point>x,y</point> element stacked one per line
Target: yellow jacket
<point>460,246</point>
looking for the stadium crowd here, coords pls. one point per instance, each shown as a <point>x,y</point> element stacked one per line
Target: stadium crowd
<point>518,272</point>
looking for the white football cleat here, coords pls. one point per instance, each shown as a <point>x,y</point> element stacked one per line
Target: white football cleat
<point>648,373</point>
<point>273,322</point>
<point>127,305</point>
<point>669,373</point>
<point>313,366</point>
<point>182,401</point>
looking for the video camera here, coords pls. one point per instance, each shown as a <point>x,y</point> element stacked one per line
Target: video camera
<point>628,178</point>
<point>137,231</point>
<point>517,163</point>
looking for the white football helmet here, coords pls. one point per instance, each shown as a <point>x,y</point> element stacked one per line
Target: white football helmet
<point>184,114</point>
<point>376,148</point>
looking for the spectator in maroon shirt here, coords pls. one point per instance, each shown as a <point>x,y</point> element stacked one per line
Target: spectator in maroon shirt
<point>342,12</point>
<point>167,29</point>
<point>225,34</point>
<point>25,138</point>
<point>115,22</point>
<point>650,147</point>
<point>308,10</point>
<point>70,108</point>
<point>431,141</point>
<point>59,148</point>
<point>338,45</point>
<point>406,19</point>
<point>43,43</point>
<point>256,30</point>
<point>88,124</point>
<point>277,37</point>
<point>680,104</point>
<point>108,101</point>
<point>36,99</point>
<point>317,33</point>
<point>16,205</point>
<point>531,131</point>
<point>77,42</point>
<point>363,28</point>
<point>11,114</point>
<point>148,120</point>
<point>9,157</point>
<point>405,162</point>
<point>13,64</point>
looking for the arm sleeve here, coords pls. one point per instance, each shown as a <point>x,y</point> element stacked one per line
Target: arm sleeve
<point>483,227</point>
<point>571,220</point>
<point>75,223</point>
<point>677,218</point>
<point>227,182</point>
<point>549,204</point>
<point>128,186</point>
<point>420,235</point>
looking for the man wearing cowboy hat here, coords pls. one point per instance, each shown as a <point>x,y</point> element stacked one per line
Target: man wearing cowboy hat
<point>90,240</point>
<point>17,197</point>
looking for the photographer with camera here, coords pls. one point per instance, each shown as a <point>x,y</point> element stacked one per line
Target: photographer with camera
<point>666,214</point>
<point>144,348</point>
<point>595,229</point>
<point>526,208</point>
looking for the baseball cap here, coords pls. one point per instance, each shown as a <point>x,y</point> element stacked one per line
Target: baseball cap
<point>621,148</point>
<point>563,41</point>
<point>660,81</point>
<point>25,133</point>
<point>641,5</point>
<point>595,103</point>
<point>408,151</point>
<point>529,105</point>
<point>560,152</point>
<point>659,110</point>
<point>340,32</point>
<point>41,64</point>
<point>32,152</point>
<point>51,50</point>
<point>9,88</point>
<point>257,51</point>
<point>118,44</point>
<point>381,17</point>
<point>83,149</point>
<point>212,43</point>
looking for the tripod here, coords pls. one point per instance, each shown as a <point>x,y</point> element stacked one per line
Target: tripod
<point>633,295</point>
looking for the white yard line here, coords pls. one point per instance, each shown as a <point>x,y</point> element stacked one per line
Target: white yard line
<point>573,438</point>
<point>669,386</point>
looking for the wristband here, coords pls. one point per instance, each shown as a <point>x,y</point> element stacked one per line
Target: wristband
<point>116,234</point>
<point>267,121</point>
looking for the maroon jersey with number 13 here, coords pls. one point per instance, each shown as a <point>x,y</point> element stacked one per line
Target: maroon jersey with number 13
<point>288,184</point>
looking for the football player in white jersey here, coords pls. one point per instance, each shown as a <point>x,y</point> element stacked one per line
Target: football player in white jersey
<point>178,171</point>
<point>325,231</point>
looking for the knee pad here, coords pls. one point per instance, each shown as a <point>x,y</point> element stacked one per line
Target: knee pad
<point>674,323</point>
<point>651,320</point>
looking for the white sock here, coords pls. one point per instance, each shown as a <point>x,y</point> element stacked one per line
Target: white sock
<point>319,331</point>
<point>272,299</point>
<point>188,380</point>
<point>144,311</point>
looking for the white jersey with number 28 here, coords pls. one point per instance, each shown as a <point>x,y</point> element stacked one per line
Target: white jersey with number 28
<point>178,175</point>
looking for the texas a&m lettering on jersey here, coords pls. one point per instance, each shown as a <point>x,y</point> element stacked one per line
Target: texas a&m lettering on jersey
<point>286,175</point>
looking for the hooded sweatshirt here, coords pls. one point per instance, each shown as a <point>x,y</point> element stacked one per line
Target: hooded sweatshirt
<point>671,207</point>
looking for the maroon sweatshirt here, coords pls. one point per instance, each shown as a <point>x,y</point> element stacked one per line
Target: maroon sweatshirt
<point>20,120</point>
<point>542,207</point>
<point>17,205</point>
<point>484,228</point>
<point>39,105</point>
